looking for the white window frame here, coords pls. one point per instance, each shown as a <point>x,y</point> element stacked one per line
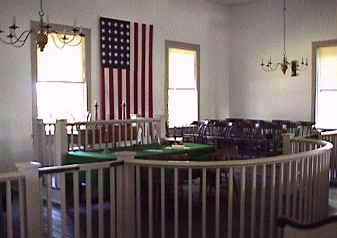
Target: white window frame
<point>184,46</point>
<point>58,27</point>
<point>314,98</point>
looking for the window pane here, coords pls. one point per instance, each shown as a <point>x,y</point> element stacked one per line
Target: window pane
<point>182,107</point>
<point>327,111</point>
<point>182,68</point>
<point>66,64</point>
<point>61,101</point>
<point>327,68</point>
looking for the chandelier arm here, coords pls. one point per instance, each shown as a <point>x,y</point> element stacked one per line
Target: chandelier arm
<point>18,39</point>
<point>5,42</point>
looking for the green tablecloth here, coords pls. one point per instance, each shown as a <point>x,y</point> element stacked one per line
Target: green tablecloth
<point>196,152</point>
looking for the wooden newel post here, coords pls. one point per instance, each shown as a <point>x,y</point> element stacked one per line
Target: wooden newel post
<point>33,198</point>
<point>286,146</point>
<point>162,126</point>
<point>61,141</point>
<point>38,141</point>
<point>125,196</point>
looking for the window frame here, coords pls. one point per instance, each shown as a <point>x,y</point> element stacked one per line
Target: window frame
<point>87,50</point>
<point>183,46</point>
<point>315,46</point>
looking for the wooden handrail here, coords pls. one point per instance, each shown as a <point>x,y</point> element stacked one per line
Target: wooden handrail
<point>238,163</point>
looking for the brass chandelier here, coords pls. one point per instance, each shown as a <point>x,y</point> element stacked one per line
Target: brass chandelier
<point>60,39</point>
<point>296,65</point>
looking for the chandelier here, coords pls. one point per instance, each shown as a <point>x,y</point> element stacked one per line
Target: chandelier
<point>60,39</point>
<point>295,64</point>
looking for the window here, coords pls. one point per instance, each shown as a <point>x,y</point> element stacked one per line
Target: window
<point>62,82</point>
<point>182,86</point>
<point>326,87</point>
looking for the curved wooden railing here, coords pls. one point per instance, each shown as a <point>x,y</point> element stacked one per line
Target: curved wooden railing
<point>331,136</point>
<point>237,198</point>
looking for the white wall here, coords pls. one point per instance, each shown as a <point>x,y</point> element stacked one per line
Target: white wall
<point>257,32</point>
<point>193,21</point>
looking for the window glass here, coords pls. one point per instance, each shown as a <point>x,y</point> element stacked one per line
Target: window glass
<point>64,64</point>
<point>326,110</point>
<point>61,86</point>
<point>182,91</point>
<point>182,68</point>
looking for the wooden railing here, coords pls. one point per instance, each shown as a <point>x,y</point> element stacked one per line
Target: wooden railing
<point>133,198</point>
<point>236,198</point>
<point>331,136</point>
<point>53,141</point>
<point>20,202</point>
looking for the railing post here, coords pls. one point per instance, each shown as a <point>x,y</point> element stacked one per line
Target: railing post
<point>161,126</point>
<point>38,141</point>
<point>286,146</point>
<point>125,197</point>
<point>61,141</point>
<point>33,198</point>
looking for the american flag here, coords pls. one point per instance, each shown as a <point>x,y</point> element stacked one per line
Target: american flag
<point>127,73</point>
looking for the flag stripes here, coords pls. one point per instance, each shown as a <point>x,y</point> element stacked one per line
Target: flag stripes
<point>126,89</point>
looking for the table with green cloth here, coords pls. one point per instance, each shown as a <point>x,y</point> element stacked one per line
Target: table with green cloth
<point>194,152</point>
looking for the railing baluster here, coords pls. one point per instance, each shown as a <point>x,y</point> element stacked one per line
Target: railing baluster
<point>204,182</point>
<point>176,204</point>
<point>63,204</point>
<point>22,208</point>
<point>100,204</point>
<point>294,192</point>
<point>217,203</point>
<point>9,218</point>
<point>162,195</point>
<point>93,131</point>
<point>138,202</point>
<point>76,204</point>
<point>289,192</point>
<point>272,202</point>
<point>49,205</point>
<point>112,203</point>
<point>263,200</point>
<point>301,192</point>
<point>86,136</point>
<point>88,203</point>
<point>242,201</point>
<point>253,208</point>
<point>119,134</point>
<point>125,134</point>
<point>230,204</point>
<point>150,203</point>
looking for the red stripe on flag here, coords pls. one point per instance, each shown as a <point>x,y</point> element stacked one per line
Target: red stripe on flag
<point>128,103</point>
<point>111,94</point>
<point>135,78</point>
<point>120,93</point>
<point>143,68</point>
<point>102,95</point>
<point>150,73</point>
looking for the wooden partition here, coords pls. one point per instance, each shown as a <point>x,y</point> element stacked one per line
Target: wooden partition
<point>53,140</point>
<point>230,198</point>
<point>132,198</point>
<point>331,136</point>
